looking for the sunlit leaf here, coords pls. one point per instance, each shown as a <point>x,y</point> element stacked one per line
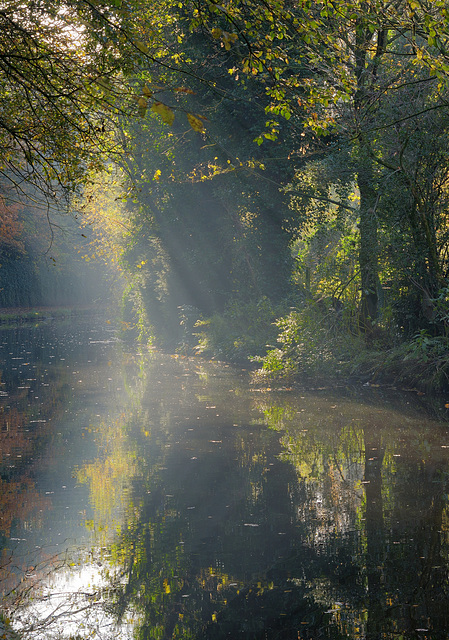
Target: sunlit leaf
<point>164,111</point>
<point>142,47</point>
<point>195,123</point>
<point>142,104</point>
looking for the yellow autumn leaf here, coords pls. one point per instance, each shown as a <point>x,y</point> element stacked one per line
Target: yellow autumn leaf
<point>147,91</point>
<point>184,90</point>
<point>142,46</point>
<point>142,104</point>
<point>229,39</point>
<point>165,112</point>
<point>195,123</point>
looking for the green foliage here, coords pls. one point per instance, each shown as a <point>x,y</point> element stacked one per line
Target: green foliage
<point>241,331</point>
<point>378,89</point>
<point>315,343</point>
<point>312,343</point>
<point>207,225</point>
<point>422,362</point>
<point>64,84</point>
<point>440,308</point>
<point>344,205</point>
<point>327,267</point>
<point>135,324</point>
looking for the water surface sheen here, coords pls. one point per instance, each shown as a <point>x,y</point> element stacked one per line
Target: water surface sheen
<point>149,496</point>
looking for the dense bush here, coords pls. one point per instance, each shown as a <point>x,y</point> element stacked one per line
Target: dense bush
<point>244,330</point>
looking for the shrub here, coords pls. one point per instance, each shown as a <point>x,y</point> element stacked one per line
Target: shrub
<point>312,343</point>
<point>243,331</point>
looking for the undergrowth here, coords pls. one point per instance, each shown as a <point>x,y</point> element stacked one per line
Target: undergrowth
<point>315,343</point>
<point>243,331</point>
<point>421,362</point>
<point>312,343</point>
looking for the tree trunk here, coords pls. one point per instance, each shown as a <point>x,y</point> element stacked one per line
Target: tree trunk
<point>365,72</point>
<point>368,255</point>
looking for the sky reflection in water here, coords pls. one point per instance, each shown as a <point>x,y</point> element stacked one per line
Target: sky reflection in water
<point>179,501</point>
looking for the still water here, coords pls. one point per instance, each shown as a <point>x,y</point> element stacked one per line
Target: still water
<point>148,496</point>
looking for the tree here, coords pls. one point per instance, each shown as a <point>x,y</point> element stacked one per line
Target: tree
<point>209,225</point>
<point>50,96</point>
<point>63,71</point>
<point>341,64</point>
<point>10,228</point>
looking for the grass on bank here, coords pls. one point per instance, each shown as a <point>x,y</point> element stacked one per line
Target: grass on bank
<point>316,342</point>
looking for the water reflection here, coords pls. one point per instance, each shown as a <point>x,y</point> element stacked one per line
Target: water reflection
<point>375,484</point>
<point>167,498</point>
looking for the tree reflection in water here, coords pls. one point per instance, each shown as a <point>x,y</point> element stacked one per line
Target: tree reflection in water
<point>380,477</point>
<point>322,537</point>
<point>222,511</point>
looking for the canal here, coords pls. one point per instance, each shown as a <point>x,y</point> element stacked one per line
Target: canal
<point>144,495</point>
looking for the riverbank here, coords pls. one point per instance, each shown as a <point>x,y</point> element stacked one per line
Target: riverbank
<point>304,345</point>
